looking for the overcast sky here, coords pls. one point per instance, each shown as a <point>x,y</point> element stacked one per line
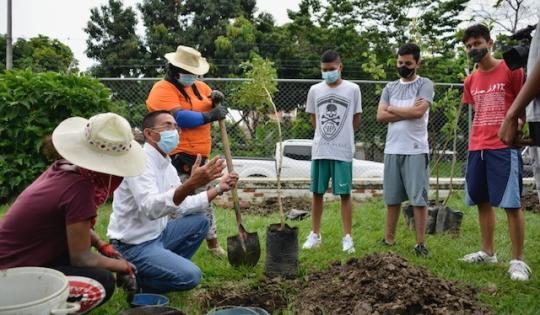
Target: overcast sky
<point>65,19</point>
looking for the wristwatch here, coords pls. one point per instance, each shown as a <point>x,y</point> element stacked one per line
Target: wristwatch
<point>219,190</point>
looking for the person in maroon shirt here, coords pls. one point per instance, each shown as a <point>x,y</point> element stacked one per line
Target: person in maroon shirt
<point>50,224</point>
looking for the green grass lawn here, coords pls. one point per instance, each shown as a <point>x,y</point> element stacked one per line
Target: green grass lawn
<point>510,297</point>
<point>445,169</point>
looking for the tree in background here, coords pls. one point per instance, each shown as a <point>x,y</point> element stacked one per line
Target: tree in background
<point>251,99</point>
<point>112,41</point>
<point>365,32</point>
<point>195,23</point>
<point>443,57</point>
<point>40,54</point>
<point>235,46</point>
<point>507,15</point>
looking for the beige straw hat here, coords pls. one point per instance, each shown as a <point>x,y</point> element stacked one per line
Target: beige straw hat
<point>104,143</point>
<point>188,59</point>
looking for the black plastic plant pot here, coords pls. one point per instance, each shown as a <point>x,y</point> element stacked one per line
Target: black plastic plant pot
<point>281,251</point>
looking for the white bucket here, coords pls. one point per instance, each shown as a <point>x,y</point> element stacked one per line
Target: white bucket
<point>34,291</point>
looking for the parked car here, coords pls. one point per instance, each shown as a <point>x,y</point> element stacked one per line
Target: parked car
<point>297,163</point>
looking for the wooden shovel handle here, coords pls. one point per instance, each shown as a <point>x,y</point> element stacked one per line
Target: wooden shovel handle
<point>230,168</point>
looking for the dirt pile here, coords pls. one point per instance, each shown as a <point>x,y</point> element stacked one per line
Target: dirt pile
<point>273,295</point>
<point>384,283</point>
<point>270,205</point>
<point>529,202</point>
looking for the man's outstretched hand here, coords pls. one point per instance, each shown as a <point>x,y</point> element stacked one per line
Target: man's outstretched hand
<point>203,175</point>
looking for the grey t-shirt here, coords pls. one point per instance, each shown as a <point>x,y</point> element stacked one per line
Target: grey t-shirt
<point>407,136</point>
<point>334,108</point>
<point>533,109</point>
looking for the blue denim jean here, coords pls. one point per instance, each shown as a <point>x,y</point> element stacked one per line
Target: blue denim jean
<point>164,264</point>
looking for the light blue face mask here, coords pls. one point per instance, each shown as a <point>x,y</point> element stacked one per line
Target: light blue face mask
<point>169,140</point>
<point>187,79</point>
<point>331,76</point>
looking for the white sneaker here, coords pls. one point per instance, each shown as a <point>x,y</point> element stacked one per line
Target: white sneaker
<point>348,245</point>
<point>480,257</point>
<point>313,241</point>
<point>519,270</point>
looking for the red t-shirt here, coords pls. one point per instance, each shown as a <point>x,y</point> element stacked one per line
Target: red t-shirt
<point>33,232</point>
<point>491,93</point>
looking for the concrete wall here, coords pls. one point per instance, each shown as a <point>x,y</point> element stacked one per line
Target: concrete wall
<point>255,190</point>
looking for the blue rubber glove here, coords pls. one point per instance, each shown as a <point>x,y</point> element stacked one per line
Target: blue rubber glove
<point>189,119</point>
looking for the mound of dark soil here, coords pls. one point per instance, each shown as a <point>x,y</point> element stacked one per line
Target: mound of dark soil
<point>270,205</point>
<point>273,295</point>
<point>384,283</point>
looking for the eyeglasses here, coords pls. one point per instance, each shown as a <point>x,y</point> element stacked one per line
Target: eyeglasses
<point>167,126</point>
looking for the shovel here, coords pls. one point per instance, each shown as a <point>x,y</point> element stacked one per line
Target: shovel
<point>242,249</point>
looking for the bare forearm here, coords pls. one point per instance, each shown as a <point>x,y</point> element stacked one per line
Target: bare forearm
<point>385,116</point>
<point>356,121</point>
<point>90,259</point>
<point>183,191</point>
<point>95,240</point>
<point>412,112</point>
<point>212,194</point>
<point>313,121</point>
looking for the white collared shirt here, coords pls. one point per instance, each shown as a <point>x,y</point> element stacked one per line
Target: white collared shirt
<point>142,204</point>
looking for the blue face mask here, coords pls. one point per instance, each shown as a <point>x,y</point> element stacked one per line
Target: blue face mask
<point>331,76</point>
<point>169,140</point>
<point>187,79</point>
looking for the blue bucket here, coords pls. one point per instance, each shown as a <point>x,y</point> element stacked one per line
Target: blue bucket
<point>148,299</point>
<point>238,310</point>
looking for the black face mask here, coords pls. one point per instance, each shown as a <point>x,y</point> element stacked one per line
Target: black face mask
<point>477,54</point>
<point>405,72</point>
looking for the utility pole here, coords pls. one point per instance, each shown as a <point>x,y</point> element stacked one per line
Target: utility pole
<point>9,39</point>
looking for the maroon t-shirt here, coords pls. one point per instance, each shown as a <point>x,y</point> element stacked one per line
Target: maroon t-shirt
<point>33,232</point>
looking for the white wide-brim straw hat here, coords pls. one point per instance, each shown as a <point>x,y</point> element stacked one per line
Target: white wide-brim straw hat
<point>188,59</point>
<point>104,143</point>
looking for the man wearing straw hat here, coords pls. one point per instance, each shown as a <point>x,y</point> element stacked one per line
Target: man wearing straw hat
<point>189,100</point>
<point>50,223</point>
<point>140,226</point>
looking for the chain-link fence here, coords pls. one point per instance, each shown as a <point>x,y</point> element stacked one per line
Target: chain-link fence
<point>254,133</point>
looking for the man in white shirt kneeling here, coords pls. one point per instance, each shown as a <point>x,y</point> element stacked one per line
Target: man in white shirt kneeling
<point>140,228</point>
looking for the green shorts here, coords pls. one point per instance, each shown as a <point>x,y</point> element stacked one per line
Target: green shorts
<point>339,171</point>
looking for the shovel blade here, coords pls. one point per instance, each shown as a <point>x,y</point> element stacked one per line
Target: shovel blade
<point>247,255</point>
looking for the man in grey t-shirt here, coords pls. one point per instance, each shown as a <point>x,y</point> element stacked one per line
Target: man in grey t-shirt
<point>404,105</point>
<point>335,107</point>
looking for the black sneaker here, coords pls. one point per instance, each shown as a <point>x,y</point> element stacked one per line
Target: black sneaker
<point>421,250</point>
<point>386,243</point>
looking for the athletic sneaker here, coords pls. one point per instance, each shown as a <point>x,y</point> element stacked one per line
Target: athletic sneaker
<point>480,257</point>
<point>348,245</point>
<point>421,250</point>
<point>313,241</point>
<point>519,270</point>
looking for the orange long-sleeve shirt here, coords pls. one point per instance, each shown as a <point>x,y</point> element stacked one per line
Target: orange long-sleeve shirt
<point>165,96</point>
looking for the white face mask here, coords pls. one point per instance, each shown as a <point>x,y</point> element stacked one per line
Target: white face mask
<point>331,76</point>
<point>187,79</point>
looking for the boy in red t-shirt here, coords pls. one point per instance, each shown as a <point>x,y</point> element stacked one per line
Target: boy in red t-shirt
<point>494,170</point>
